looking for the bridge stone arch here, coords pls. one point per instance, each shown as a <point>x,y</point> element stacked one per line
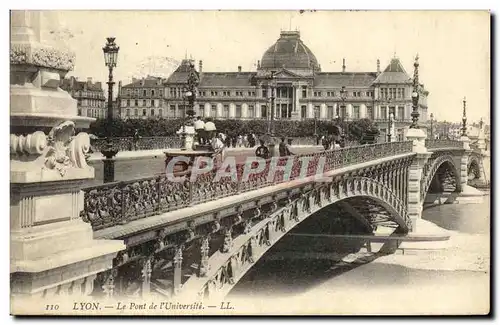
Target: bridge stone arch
<point>225,269</point>
<point>443,168</point>
<point>474,166</point>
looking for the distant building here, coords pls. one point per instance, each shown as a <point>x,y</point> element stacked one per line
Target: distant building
<point>143,98</point>
<point>90,96</point>
<point>302,91</point>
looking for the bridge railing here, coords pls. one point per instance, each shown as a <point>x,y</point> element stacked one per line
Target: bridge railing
<point>165,142</point>
<point>121,202</point>
<point>143,143</point>
<point>443,143</point>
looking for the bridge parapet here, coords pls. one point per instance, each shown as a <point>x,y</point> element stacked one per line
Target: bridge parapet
<point>443,144</point>
<point>121,202</point>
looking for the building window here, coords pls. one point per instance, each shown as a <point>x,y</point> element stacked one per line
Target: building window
<point>303,111</point>
<point>330,94</point>
<point>392,110</point>
<point>225,113</point>
<point>127,112</point>
<point>383,112</point>
<point>172,110</point>
<point>251,93</point>
<point>136,112</point>
<point>143,102</point>
<point>152,112</point>
<point>369,112</point>
<point>317,94</point>
<point>160,92</point>
<point>239,93</point>
<point>304,91</point>
<point>152,92</point>
<point>144,112</point>
<point>128,102</point>
<point>401,113</point>
<point>213,110</point>
<point>79,112</point>
<point>355,112</point>
<point>263,111</point>
<point>251,111</point>
<point>160,112</point>
<point>136,102</point>
<point>144,93</point>
<point>329,112</point>
<point>264,92</point>
<point>238,111</point>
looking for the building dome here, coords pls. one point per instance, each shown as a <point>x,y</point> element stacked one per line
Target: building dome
<point>289,52</point>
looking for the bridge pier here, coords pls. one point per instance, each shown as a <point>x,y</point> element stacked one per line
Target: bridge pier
<point>416,175</point>
<point>53,252</point>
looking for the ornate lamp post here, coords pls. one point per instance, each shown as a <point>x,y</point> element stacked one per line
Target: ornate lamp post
<point>110,60</point>
<point>391,121</point>
<point>343,97</point>
<point>190,96</point>
<point>464,120</point>
<point>481,123</point>
<point>415,96</point>
<point>270,121</point>
<point>432,129</point>
<point>315,121</point>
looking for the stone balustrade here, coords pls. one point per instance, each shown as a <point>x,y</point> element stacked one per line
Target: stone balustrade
<point>121,202</point>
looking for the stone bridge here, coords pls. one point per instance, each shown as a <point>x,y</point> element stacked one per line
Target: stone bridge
<point>201,237</point>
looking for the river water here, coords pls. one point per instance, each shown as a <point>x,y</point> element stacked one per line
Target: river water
<point>453,280</point>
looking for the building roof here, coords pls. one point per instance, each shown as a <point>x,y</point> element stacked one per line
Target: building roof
<point>150,82</point>
<point>227,79</point>
<point>289,52</point>
<point>347,79</point>
<point>180,75</point>
<point>73,84</point>
<point>394,73</point>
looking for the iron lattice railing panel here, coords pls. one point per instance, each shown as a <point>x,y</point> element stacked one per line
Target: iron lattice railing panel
<point>120,202</point>
<point>443,144</point>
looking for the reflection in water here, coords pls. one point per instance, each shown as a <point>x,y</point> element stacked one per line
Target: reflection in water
<point>446,281</point>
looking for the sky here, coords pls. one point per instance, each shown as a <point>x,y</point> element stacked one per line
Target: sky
<point>453,46</point>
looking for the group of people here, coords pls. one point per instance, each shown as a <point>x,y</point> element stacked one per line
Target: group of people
<point>206,134</point>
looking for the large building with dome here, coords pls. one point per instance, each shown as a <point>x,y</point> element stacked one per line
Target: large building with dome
<point>301,90</point>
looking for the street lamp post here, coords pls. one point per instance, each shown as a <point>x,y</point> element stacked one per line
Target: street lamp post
<point>432,129</point>
<point>343,97</point>
<point>415,96</point>
<point>110,60</point>
<point>391,120</point>
<point>270,121</point>
<point>190,96</point>
<point>464,120</point>
<point>315,121</point>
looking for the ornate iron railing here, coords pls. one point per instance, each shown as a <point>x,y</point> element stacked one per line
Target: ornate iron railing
<point>152,143</point>
<point>120,202</point>
<point>143,143</point>
<point>443,143</point>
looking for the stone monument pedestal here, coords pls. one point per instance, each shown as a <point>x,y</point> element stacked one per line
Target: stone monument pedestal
<point>53,252</point>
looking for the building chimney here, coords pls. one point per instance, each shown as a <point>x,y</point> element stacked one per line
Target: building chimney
<point>89,80</point>
<point>378,66</point>
<point>119,87</point>
<point>72,81</point>
<point>200,66</point>
<point>343,65</point>
<point>239,68</point>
